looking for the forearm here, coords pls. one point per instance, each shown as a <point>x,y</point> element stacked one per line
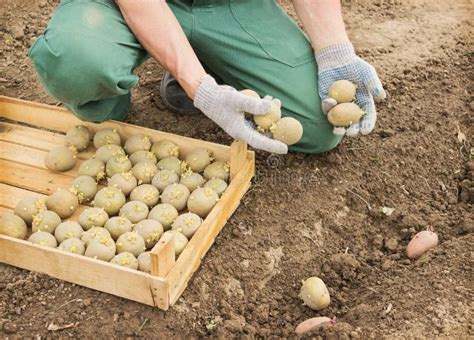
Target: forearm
<point>322,21</point>
<point>159,32</point>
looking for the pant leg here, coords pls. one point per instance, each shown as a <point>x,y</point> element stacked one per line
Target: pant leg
<point>86,57</point>
<point>254,44</point>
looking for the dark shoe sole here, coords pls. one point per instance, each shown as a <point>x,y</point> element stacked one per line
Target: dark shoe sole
<point>174,97</point>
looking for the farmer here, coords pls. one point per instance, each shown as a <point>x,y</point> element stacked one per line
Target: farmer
<point>87,55</point>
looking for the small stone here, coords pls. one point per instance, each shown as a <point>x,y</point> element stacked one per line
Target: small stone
<point>87,302</point>
<point>391,244</point>
<point>9,327</point>
<point>126,315</point>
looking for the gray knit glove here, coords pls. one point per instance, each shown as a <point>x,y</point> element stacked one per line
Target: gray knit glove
<point>226,106</point>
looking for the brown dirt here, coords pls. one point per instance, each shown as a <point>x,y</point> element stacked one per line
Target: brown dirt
<point>306,214</point>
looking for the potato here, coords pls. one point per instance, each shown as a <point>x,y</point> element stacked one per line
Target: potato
<point>29,207</point>
<point>106,152</point>
<point>151,231</point>
<point>135,211</point>
<point>84,187</point>
<point>343,91</point>
<point>165,148</point>
<point>192,180</point>
<point>43,239</point>
<point>421,243</point>
<point>170,163</point>
<point>143,156</point>
<point>202,200</point>
<point>68,229</point>
<point>101,249</point>
<point>314,293</point>
<point>216,184</point>
<point>117,226</point>
<point>265,122</point>
<point>117,165</point>
<point>165,214</point>
<point>217,169</point>
<point>63,202</point>
<point>198,159</point>
<point>345,114</point>
<point>94,168</point>
<point>146,193</point>
<point>179,240</point>
<point>131,242</point>
<point>73,245</point>
<point>144,262</point>
<point>250,93</point>
<point>93,217</point>
<point>124,181</point>
<point>105,137</point>
<point>137,143</point>
<point>110,199</point>
<point>13,226</point>
<point>61,159</point>
<point>313,323</point>
<point>187,224</point>
<point>95,233</point>
<point>176,195</point>
<point>163,178</point>
<point>125,260</point>
<point>287,130</point>
<point>78,136</point>
<point>144,172</point>
<point>45,221</point>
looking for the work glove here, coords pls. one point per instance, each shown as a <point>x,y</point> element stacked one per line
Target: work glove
<point>339,62</point>
<point>226,107</point>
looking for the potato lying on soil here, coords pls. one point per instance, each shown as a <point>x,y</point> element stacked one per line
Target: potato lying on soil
<point>110,199</point>
<point>61,159</point>
<point>170,163</point>
<point>198,159</point>
<point>313,323</point>
<point>29,207</point>
<point>94,168</point>
<point>143,156</point>
<point>151,231</point>
<point>117,165</point>
<point>131,242</point>
<point>180,241</point>
<point>73,245</point>
<point>126,259</point>
<point>43,239</point>
<point>165,148</point>
<point>144,172</point>
<point>165,214</point>
<point>176,195</point>
<point>124,181</point>
<point>105,137</point>
<point>146,193</point>
<point>63,202</point>
<point>421,243</point>
<point>192,180</point>
<point>137,143</point>
<point>187,224</point>
<point>117,226</point>
<point>266,121</point>
<point>217,169</point>
<point>84,187</point>
<point>93,217</point>
<point>78,136</point>
<point>287,130</point>
<point>101,249</point>
<point>314,293</point>
<point>144,262</point>
<point>216,184</point>
<point>345,114</point>
<point>107,152</point>
<point>343,91</point>
<point>202,200</point>
<point>95,233</point>
<point>45,221</point>
<point>163,178</point>
<point>135,211</point>
<point>68,229</point>
<point>13,226</point>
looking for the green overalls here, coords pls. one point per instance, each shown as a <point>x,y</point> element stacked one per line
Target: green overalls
<point>87,55</point>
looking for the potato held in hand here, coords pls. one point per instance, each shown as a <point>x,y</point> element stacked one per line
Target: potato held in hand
<point>343,91</point>
<point>287,130</point>
<point>314,293</point>
<point>345,114</point>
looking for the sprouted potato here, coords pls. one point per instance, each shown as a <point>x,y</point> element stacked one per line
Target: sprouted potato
<point>105,137</point>
<point>163,178</point>
<point>63,202</point>
<point>198,159</point>
<point>151,231</point>
<point>131,242</point>
<point>165,148</point>
<point>314,293</point>
<point>43,239</point>
<point>93,217</point>
<point>143,156</point>
<point>343,91</point>
<point>187,224</point>
<point>265,122</point>
<point>144,172</point>
<point>170,163</point>
<point>144,262</point>
<point>192,180</point>
<point>78,136</point>
<point>61,159</point>
<point>68,229</point>
<point>125,259</point>
<point>73,245</point>
<point>94,168</point>
<point>165,214</point>
<point>176,195</point>
<point>124,181</point>
<point>84,187</point>
<point>95,233</point>
<point>12,225</point>
<point>180,241</point>
<point>45,221</point>
<point>202,200</point>
<point>217,169</point>
<point>345,114</point>
<point>29,207</point>
<point>287,130</point>
<point>216,184</point>
<point>117,226</point>
<point>147,194</point>
<point>137,143</point>
<point>101,249</point>
<point>135,211</point>
<point>107,152</point>
<point>117,165</point>
<point>110,199</point>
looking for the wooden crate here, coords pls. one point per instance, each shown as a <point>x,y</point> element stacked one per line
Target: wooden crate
<point>22,173</point>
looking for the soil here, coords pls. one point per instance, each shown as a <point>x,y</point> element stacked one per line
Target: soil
<point>306,215</point>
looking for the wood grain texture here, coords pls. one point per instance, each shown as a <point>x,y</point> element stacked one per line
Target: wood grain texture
<point>162,256</point>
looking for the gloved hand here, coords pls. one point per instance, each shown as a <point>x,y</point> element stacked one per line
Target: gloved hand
<point>338,62</point>
<point>226,106</point>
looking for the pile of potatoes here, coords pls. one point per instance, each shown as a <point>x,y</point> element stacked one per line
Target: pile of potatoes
<point>137,191</point>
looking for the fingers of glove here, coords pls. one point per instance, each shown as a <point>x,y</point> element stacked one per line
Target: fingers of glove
<point>261,142</point>
<point>328,104</point>
<point>353,130</point>
<point>373,83</point>
<point>367,123</point>
<point>255,106</point>
<point>339,131</point>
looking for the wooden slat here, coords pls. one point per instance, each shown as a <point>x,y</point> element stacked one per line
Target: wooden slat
<point>202,240</point>
<point>84,271</point>
<point>163,256</point>
<point>238,155</point>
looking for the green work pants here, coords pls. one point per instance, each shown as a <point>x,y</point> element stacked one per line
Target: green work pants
<point>87,55</point>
